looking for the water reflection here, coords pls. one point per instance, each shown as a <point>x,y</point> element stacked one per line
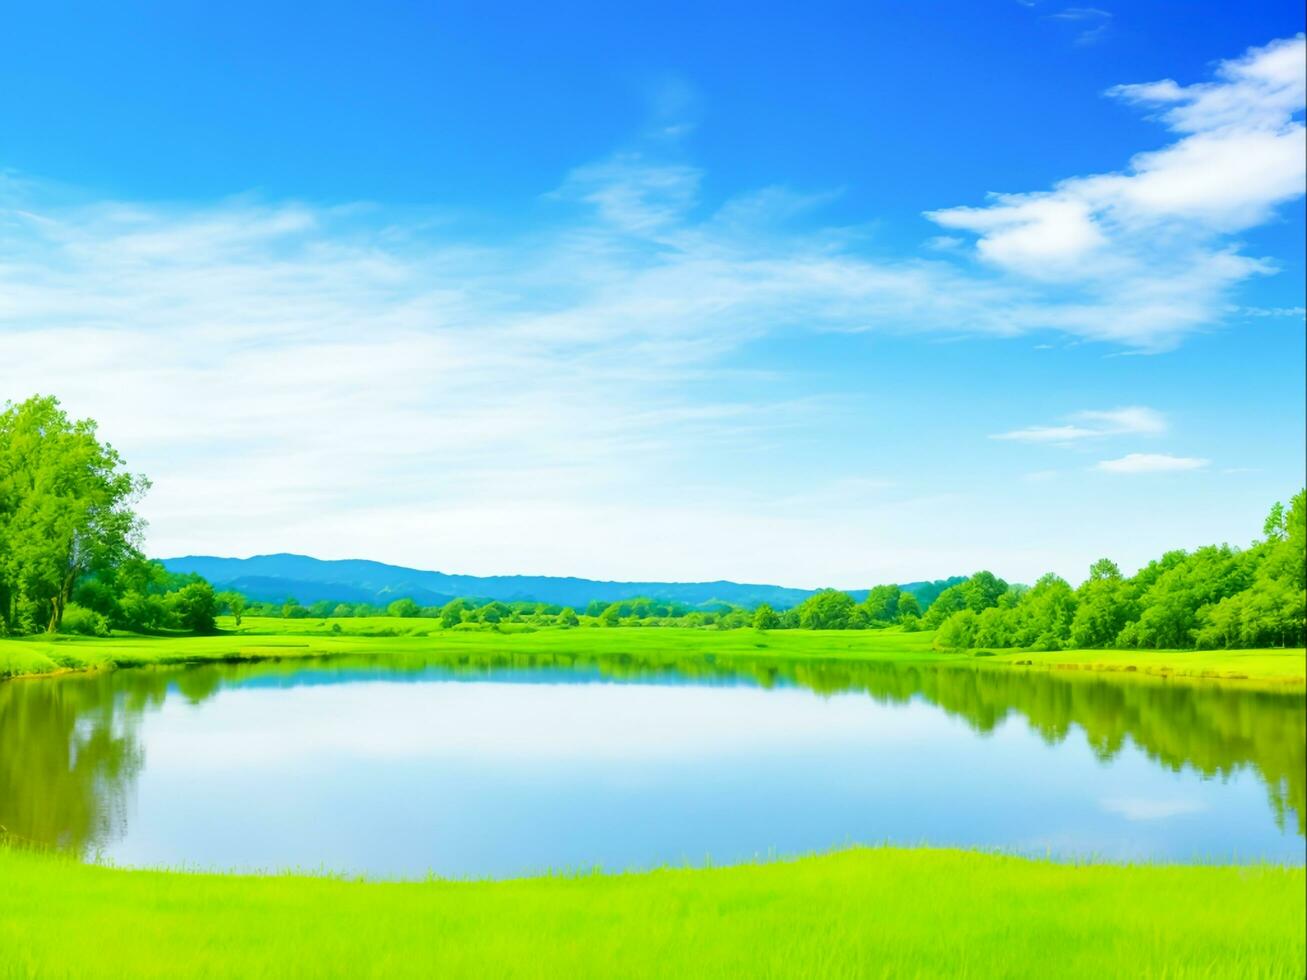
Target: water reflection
<point>72,751</point>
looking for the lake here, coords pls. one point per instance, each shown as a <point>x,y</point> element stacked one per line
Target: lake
<point>513,766</point>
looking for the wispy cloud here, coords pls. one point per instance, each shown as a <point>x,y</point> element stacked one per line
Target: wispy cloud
<point>1092,23</point>
<point>294,372</point>
<point>1144,255</point>
<point>1131,420</point>
<point>1132,463</point>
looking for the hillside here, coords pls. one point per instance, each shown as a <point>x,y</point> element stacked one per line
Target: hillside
<point>274,577</point>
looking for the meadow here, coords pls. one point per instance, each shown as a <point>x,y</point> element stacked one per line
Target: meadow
<point>858,913</point>
<point>265,638</point>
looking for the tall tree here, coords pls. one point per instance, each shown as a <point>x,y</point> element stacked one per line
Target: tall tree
<point>66,502</point>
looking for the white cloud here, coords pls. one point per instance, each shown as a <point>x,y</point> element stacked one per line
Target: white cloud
<point>1131,420</point>
<point>1152,463</point>
<point>1153,236</point>
<point>350,381</point>
<point>1093,22</point>
<point>1048,433</point>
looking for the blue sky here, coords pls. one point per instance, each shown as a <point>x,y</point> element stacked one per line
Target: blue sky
<point>844,294</point>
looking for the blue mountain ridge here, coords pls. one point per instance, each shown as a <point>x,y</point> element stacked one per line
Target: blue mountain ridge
<point>273,578</point>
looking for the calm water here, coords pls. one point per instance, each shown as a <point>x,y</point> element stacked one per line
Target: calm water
<point>514,767</point>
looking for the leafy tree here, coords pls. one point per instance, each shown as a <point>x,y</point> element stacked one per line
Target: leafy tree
<point>983,590</point>
<point>568,617</point>
<point>404,608</point>
<point>451,614</point>
<point>65,506</point>
<point>765,618</point>
<point>234,603</point>
<point>829,609</point>
<point>494,612</point>
<point>957,631</point>
<point>882,604</point>
<point>1104,606</point>
<point>908,607</point>
<point>195,606</point>
<point>291,609</point>
<point>1275,527</point>
<point>950,601</point>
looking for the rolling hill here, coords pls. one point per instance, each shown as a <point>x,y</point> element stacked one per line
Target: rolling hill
<point>275,577</point>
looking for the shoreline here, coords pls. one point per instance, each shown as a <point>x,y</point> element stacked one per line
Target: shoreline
<point>1277,670</point>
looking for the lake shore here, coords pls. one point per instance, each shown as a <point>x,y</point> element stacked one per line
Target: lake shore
<point>860,912</point>
<point>272,639</point>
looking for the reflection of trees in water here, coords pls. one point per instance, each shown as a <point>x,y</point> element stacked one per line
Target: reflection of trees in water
<point>69,755</point>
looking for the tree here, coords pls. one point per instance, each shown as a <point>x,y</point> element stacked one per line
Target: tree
<point>195,606</point>
<point>765,618</point>
<point>909,608</point>
<point>451,614</point>
<point>951,600</point>
<point>1274,526</point>
<point>957,631</point>
<point>65,505</point>
<point>611,615</point>
<point>404,608</point>
<point>882,604</point>
<point>291,609</point>
<point>234,603</point>
<point>829,609</point>
<point>568,617</point>
<point>982,591</point>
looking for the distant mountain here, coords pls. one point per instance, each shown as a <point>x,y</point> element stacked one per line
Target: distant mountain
<point>272,578</point>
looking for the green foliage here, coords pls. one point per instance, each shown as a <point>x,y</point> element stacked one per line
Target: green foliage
<point>882,604</point>
<point>65,511</point>
<point>80,621</point>
<point>403,608</point>
<point>829,609</point>
<point>908,607</point>
<point>232,603</point>
<point>958,631</point>
<point>196,607</point>
<point>765,618</point>
<point>291,609</point>
<point>452,613</point>
<point>1216,596</point>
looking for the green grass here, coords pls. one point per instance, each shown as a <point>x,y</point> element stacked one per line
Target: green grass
<point>858,913</point>
<point>289,638</point>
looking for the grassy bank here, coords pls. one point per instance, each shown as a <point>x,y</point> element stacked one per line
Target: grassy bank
<point>292,638</point>
<point>860,913</point>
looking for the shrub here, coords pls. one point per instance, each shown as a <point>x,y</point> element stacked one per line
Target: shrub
<point>83,622</point>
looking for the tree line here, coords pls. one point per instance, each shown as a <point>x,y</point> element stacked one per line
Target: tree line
<point>1214,597</point>
<point>884,606</point>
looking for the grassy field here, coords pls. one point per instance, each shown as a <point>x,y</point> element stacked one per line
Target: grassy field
<point>858,913</point>
<point>291,638</point>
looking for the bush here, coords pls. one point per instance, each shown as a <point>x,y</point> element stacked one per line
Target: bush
<point>81,621</point>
